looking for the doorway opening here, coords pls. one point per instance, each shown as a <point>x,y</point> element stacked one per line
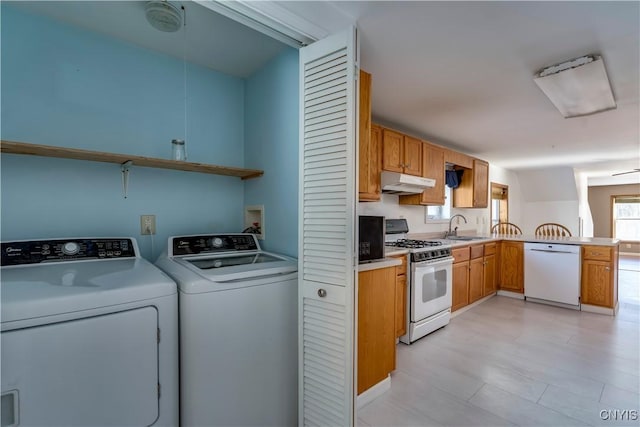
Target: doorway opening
<point>499,203</point>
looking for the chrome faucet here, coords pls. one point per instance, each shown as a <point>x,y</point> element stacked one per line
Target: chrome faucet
<point>455,230</point>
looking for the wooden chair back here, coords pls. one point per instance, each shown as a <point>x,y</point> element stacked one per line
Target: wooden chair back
<point>506,228</point>
<point>551,229</point>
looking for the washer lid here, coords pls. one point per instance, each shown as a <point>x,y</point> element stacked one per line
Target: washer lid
<point>239,266</point>
<point>32,291</point>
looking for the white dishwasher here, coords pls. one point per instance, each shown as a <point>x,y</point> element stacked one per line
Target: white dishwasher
<point>552,273</point>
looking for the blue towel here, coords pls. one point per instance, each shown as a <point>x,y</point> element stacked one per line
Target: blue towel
<point>453,178</point>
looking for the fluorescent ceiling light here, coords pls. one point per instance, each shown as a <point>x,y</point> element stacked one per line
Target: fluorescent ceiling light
<point>578,87</point>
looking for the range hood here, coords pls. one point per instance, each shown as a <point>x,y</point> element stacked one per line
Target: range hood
<point>399,183</point>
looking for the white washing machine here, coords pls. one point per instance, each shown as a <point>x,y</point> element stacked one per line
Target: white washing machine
<point>88,335</point>
<point>238,331</point>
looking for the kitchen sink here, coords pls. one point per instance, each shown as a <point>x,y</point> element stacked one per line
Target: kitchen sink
<point>466,238</point>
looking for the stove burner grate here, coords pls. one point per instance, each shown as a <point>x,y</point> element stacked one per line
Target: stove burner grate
<point>413,244</point>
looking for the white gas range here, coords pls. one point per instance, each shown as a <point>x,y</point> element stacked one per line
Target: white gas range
<point>430,272</point>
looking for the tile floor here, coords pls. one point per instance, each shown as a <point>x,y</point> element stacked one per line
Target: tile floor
<point>510,362</point>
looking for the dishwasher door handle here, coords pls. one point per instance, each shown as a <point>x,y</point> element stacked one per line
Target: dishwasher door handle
<point>550,251</point>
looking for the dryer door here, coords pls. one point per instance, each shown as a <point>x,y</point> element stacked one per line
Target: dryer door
<point>100,370</point>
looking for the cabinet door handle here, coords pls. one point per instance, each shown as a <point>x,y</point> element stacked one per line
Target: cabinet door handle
<point>607,268</point>
<point>322,293</point>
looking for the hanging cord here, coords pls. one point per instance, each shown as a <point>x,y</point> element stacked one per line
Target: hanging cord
<point>184,73</point>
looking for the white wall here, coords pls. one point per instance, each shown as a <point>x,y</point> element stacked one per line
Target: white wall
<point>584,211</point>
<point>549,195</point>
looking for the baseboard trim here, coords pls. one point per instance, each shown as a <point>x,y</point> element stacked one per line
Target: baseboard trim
<point>374,392</point>
<point>510,294</point>
<point>600,310</point>
<point>470,306</point>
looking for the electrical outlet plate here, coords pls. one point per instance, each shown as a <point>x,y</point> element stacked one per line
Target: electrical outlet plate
<point>147,224</point>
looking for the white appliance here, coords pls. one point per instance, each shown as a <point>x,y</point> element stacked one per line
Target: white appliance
<point>400,183</point>
<point>238,331</point>
<point>552,273</point>
<point>430,285</point>
<point>89,335</point>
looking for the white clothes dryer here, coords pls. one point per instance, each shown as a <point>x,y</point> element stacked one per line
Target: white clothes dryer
<point>89,335</point>
<point>238,331</point>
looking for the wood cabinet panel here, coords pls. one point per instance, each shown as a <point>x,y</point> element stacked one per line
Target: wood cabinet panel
<point>597,253</point>
<point>432,167</point>
<point>460,254</point>
<point>412,156</point>
<point>476,275</point>
<point>477,251</point>
<point>473,190</point>
<point>401,296</point>
<point>401,305</point>
<point>460,285</point>
<point>597,283</point>
<point>392,151</point>
<point>401,153</point>
<point>490,248</point>
<point>599,276</point>
<point>376,326</point>
<point>480,184</point>
<point>489,274</point>
<point>369,146</point>
<point>511,262</point>
<point>458,159</point>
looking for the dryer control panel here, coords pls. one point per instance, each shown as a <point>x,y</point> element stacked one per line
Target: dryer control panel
<point>214,243</point>
<point>38,251</point>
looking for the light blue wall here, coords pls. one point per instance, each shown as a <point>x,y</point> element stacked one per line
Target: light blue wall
<point>271,144</point>
<point>65,86</point>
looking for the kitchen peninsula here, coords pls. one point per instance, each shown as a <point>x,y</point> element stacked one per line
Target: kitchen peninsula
<point>599,268</point>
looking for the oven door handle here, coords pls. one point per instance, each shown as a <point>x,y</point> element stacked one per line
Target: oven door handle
<point>427,264</point>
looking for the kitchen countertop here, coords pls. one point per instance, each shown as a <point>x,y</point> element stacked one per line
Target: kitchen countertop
<point>387,262</point>
<point>479,239</point>
<point>391,251</point>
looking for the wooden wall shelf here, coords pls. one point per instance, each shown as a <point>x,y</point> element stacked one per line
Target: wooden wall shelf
<point>11,147</point>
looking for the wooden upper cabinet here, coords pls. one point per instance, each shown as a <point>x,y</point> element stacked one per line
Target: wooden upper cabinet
<point>401,153</point>
<point>480,184</point>
<point>412,156</point>
<point>369,145</point>
<point>432,167</point>
<point>458,159</point>
<point>473,191</point>
<point>392,151</point>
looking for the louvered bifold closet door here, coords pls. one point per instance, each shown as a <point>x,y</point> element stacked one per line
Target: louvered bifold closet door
<point>327,234</point>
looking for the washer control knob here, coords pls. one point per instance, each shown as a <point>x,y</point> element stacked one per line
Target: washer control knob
<point>216,242</point>
<point>70,248</point>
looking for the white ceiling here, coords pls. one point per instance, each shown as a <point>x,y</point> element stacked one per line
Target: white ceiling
<point>212,40</point>
<point>458,73</point>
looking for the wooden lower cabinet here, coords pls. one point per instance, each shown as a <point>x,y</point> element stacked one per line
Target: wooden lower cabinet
<point>401,305</point>
<point>599,276</point>
<point>511,262</point>
<point>376,326</point>
<point>460,285</point>
<point>460,278</point>
<point>489,275</point>
<point>476,274</point>
<point>401,296</point>
<point>490,269</point>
